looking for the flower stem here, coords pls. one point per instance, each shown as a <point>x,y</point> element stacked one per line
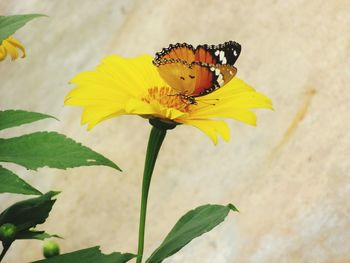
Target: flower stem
<point>6,247</point>
<point>155,141</point>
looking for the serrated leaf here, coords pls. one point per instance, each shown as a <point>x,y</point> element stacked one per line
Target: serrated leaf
<point>193,224</point>
<point>29,213</point>
<point>50,149</point>
<point>89,255</point>
<point>12,183</point>
<point>13,118</point>
<point>10,24</point>
<point>233,208</point>
<point>33,234</point>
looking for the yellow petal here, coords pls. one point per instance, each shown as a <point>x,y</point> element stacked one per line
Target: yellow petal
<point>115,87</point>
<point>166,112</point>
<point>3,53</point>
<point>247,100</point>
<point>234,87</point>
<point>133,75</point>
<point>17,44</point>
<point>211,128</point>
<point>10,49</point>
<point>243,115</point>
<point>171,113</point>
<point>85,96</point>
<point>233,101</point>
<point>94,115</point>
<point>98,82</point>
<point>138,107</point>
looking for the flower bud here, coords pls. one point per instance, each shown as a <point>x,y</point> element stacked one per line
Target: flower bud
<point>7,232</point>
<point>51,249</point>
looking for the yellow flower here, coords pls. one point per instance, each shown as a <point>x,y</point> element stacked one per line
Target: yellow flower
<point>122,86</point>
<point>10,46</point>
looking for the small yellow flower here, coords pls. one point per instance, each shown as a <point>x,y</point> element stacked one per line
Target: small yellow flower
<point>133,86</point>
<point>10,46</point>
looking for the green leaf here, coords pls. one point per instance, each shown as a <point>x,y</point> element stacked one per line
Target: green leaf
<point>193,224</point>
<point>10,24</point>
<point>13,118</point>
<point>89,255</point>
<point>50,149</point>
<point>33,234</point>
<point>12,183</point>
<point>233,208</point>
<point>28,213</point>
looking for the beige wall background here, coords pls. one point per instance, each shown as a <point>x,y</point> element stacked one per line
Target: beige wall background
<point>289,176</point>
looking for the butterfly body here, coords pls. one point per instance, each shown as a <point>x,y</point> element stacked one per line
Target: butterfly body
<point>195,72</point>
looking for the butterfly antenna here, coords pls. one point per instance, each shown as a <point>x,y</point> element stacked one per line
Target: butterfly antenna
<point>206,101</point>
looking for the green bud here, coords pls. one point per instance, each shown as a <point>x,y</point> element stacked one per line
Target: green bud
<point>7,232</point>
<point>51,249</point>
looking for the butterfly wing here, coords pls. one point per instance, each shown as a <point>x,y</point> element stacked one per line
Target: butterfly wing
<point>219,59</point>
<point>203,55</point>
<point>179,75</point>
<point>175,67</point>
<point>179,51</point>
<point>224,54</point>
<point>211,77</point>
<point>200,71</point>
<point>195,79</point>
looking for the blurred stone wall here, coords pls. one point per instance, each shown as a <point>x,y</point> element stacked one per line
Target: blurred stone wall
<point>289,176</point>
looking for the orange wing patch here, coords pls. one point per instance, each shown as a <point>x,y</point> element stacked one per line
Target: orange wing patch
<point>204,79</point>
<point>183,52</point>
<point>179,75</point>
<point>204,56</point>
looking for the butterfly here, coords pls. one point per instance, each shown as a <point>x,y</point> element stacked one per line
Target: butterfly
<point>195,72</point>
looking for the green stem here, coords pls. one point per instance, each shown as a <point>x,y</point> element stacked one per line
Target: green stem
<point>6,247</point>
<point>155,141</point>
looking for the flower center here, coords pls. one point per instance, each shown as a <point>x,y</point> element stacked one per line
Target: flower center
<point>167,97</point>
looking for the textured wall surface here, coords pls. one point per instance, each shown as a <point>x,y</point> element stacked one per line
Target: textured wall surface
<point>289,176</point>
